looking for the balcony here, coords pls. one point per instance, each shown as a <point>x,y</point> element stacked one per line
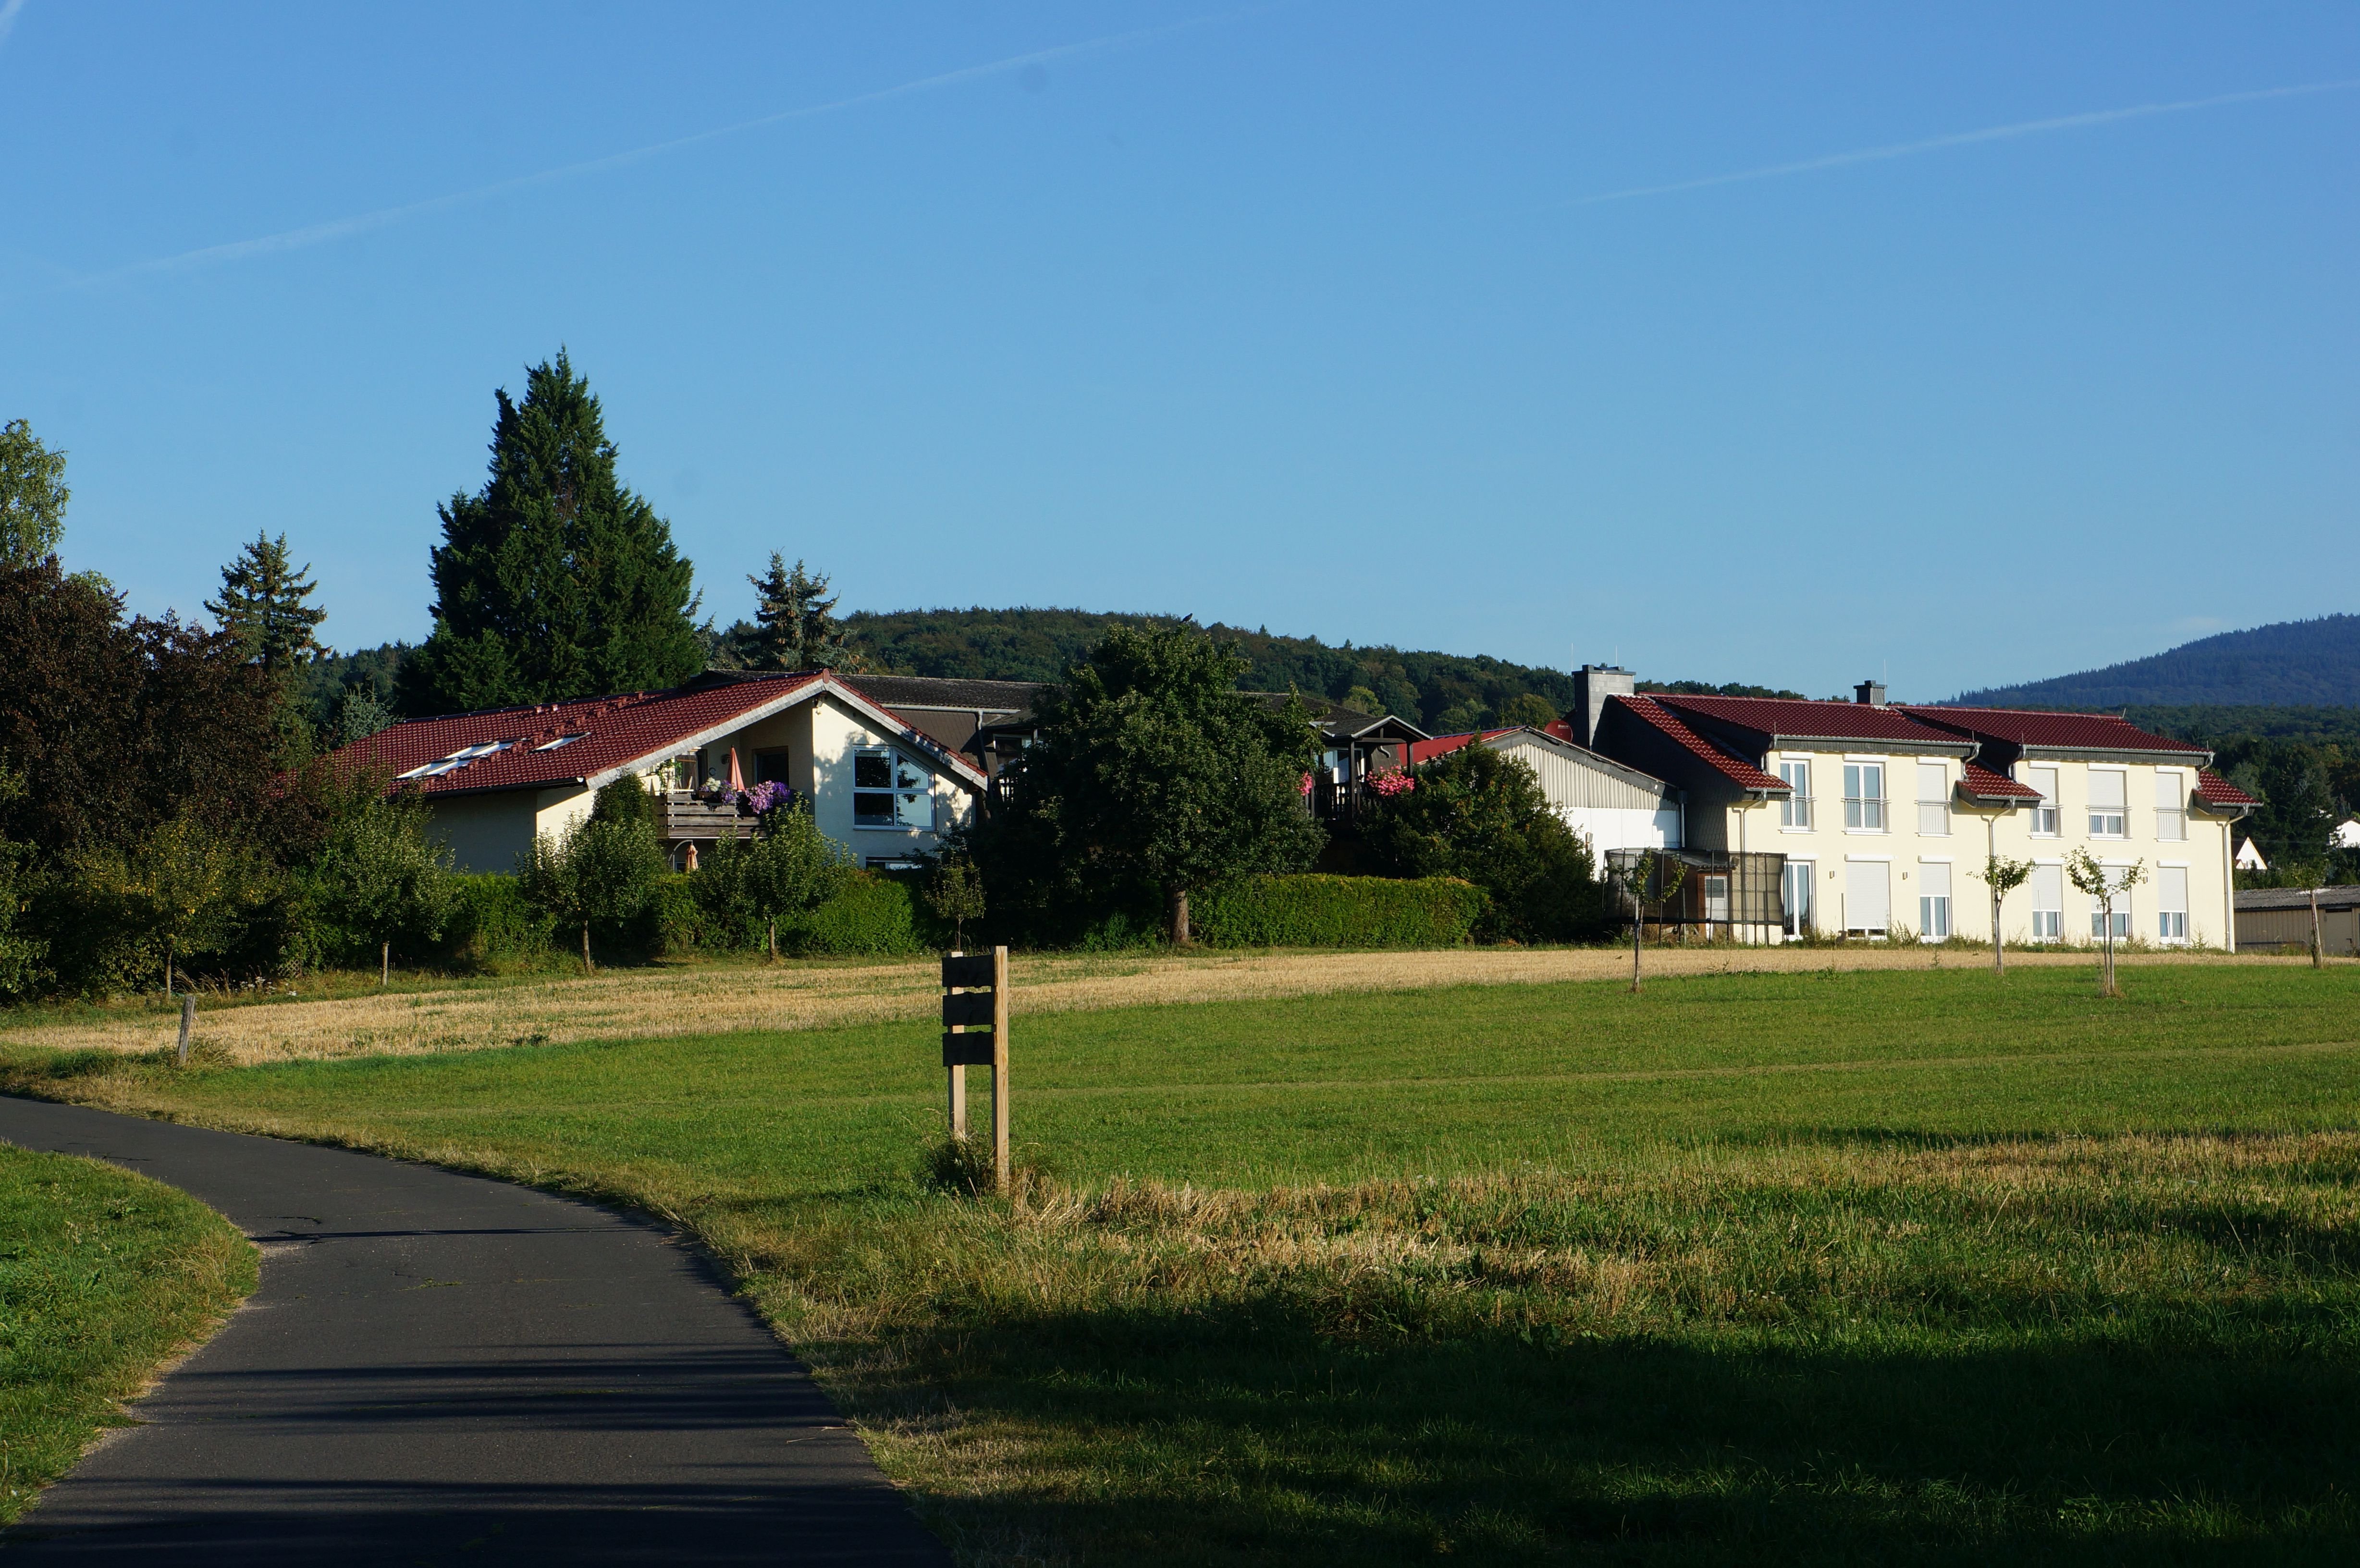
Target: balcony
<point>681,817</point>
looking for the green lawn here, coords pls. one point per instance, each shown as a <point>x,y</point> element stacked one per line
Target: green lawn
<point>1794,1267</point>
<point>102,1275</point>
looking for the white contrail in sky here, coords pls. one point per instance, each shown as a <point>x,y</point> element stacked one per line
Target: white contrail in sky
<point>8,18</point>
<point>344,228</point>
<point>1965,138</point>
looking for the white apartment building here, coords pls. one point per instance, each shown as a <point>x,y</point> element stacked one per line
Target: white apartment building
<point>1885,815</point>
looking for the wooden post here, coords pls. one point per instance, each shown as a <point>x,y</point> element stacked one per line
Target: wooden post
<point>1000,1068</point>
<point>188,1022</point>
<point>957,1072</point>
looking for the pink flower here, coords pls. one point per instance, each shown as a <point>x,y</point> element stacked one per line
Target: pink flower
<point>1307,784</point>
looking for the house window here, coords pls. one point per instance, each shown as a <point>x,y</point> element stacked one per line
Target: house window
<point>2043,815</point>
<point>1868,898</point>
<point>1796,887</point>
<point>1795,811</point>
<point>2047,901</point>
<point>2121,920</point>
<point>888,790</point>
<point>1864,796</point>
<point>2170,805</point>
<point>2107,812</point>
<point>1716,900</point>
<point>1934,799</point>
<point>2171,903</point>
<point>774,767</point>
<point>1933,902</point>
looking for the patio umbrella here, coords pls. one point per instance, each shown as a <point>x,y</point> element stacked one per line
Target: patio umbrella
<point>737,779</point>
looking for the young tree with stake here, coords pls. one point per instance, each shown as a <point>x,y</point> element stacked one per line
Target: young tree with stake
<point>1634,874</point>
<point>955,893</point>
<point>2002,877</point>
<point>2106,883</point>
<point>602,871</point>
<point>379,876</point>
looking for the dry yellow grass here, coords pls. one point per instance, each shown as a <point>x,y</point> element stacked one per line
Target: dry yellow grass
<point>645,1004</point>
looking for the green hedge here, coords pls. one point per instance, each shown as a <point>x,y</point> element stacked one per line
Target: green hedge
<point>873,917</point>
<point>492,924</point>
<point>1338,912</point>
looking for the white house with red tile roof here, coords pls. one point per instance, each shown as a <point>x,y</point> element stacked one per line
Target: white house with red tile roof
<point>1885,812</point>
<point>493,780</point>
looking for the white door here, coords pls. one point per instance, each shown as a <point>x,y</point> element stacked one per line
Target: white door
<point>1868,898</point>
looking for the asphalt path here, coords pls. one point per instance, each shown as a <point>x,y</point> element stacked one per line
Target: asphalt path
<point>438,1368</point>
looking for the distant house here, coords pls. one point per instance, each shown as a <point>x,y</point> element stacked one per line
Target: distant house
<point>2249,858</point>
<point>1613,805</point>
<point>880,782</point>
<point>1877,815</point>
<point>2347,833</point>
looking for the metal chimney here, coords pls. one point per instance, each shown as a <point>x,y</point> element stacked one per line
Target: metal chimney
<point>1869,692</point>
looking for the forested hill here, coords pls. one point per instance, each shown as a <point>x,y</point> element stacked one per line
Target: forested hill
<point>2312,663</point>
<point>1440,693</point>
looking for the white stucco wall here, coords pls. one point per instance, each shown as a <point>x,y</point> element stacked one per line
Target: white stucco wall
<point>1905,850</point>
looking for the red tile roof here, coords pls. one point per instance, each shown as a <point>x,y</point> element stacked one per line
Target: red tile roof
<point>1981,784</point>
<point>1443,745</point>
<point>608,735</point>
<point>1800,718</point>
<point>1733,767</point>
<point>2219,793</point>
<point>2075,732</point>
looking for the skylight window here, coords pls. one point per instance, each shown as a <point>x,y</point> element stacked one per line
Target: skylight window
<point>456,760</point>
<point>561,740</point>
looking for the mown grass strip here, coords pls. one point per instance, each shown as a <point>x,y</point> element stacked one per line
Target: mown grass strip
<point>103,1277</point>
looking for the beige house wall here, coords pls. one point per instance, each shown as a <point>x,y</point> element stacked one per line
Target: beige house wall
<point>1906,849</point>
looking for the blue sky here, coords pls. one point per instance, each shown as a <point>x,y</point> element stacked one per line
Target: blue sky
<point>1300,314</point>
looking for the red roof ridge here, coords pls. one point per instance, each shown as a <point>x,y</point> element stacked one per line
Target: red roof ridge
<point>1735,769</point>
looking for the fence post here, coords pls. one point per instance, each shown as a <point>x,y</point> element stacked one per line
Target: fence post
<point>1000,1068</point>
<point>957,1072</point>
<point>188,1022</point>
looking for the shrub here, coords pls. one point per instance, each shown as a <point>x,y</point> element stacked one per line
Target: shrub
<point>1480,814</point>
<point>870,916</point>
<point>1341,912</point>
<point>491,924</point>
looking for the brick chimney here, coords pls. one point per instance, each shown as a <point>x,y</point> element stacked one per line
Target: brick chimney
<point>1869,694</point>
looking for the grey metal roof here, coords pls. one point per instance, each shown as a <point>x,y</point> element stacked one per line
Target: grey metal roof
<point>2339,897</point>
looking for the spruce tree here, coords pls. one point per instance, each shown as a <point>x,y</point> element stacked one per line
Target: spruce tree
<point>794,623</point>
<point>554,580</point>
<point>261,606</point>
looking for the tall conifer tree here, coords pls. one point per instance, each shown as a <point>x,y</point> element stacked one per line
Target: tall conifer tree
<point>794,624</point>
<point>261,605</point>
<point>554,580</point>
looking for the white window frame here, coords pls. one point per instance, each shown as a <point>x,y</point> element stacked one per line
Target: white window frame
<point>1866,813</point>
<point>1795,811</point>
<point>1934,910</point>
<point>1940,803</point>
<point>2172,822</point>
<point>1798,872</point>
<point>2097,815</point>
<point>2048,817</point>
<point>2171,925</point>
<point>2048,925</point>
<point>908,805</point>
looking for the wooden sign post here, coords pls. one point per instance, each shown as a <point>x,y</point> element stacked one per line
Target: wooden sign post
<point>975,997</point>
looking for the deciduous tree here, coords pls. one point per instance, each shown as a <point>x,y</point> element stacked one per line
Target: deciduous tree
<point>601,871</point>
<point>380,875</point>
<point>1480,814</point>
<point>33,495</point>
<point>2107,884</point>
<point>2002,877</point>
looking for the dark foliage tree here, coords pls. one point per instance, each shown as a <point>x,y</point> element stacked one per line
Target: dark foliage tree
<point>794,625</point>
<point>788,868</point>
<point>554,580</point>
<point>1480,814</point>
<point>1153,771</point>
<point>262,605</point>
<point>2297,818</point>
<point>33,495</point>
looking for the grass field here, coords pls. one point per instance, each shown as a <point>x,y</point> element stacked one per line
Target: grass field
<point>104,1275</point>
<point>1816,1265</point>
